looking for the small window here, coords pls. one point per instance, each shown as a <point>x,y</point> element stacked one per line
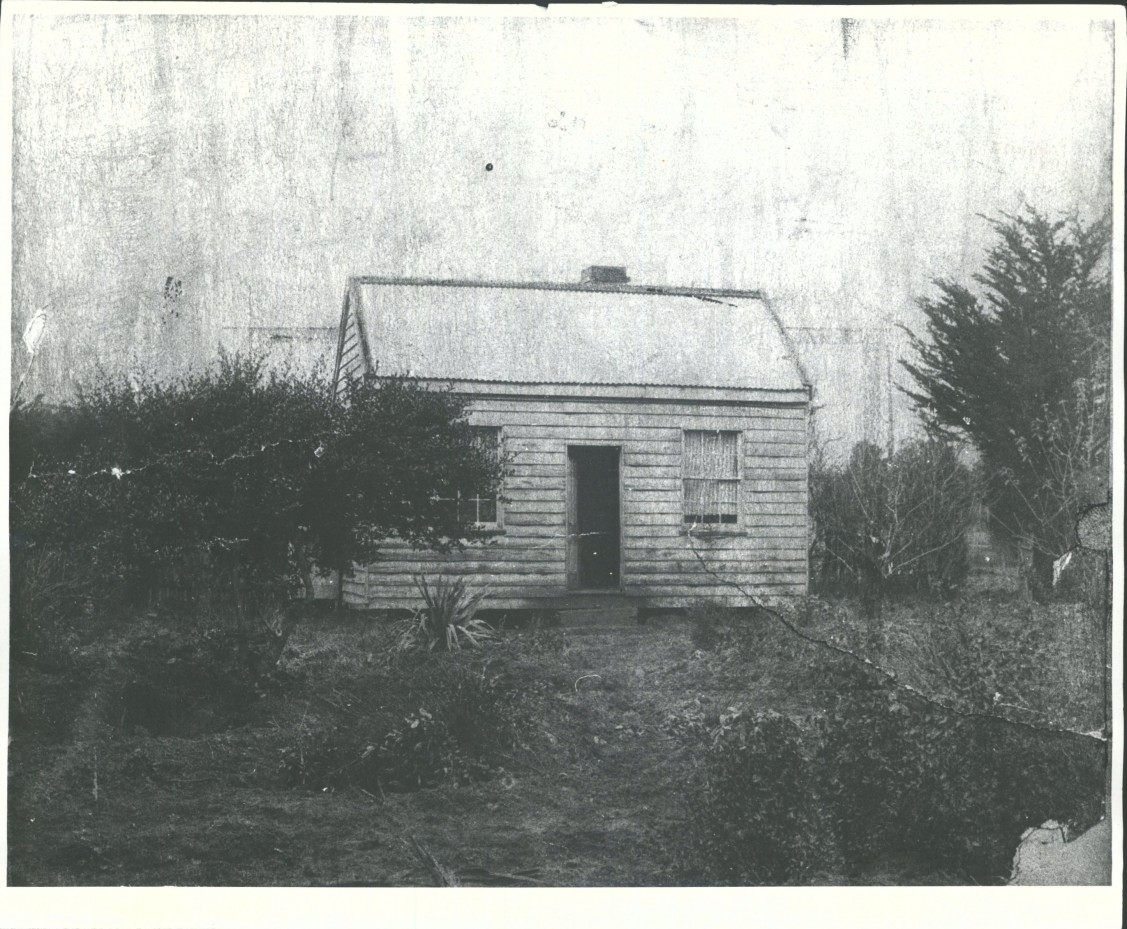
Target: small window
<point>474,508</point>
<point>711,470</point>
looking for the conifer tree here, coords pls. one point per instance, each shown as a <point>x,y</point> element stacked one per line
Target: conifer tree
<point>1017,361</point>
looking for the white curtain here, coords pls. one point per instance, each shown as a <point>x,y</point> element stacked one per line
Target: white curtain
<point>711,473</point>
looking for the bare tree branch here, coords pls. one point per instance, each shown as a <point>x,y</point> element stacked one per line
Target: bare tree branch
<point>888,674</point>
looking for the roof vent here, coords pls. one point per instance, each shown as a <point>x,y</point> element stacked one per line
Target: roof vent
<point>604,274</point>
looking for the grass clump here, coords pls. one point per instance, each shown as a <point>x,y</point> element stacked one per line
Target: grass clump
<point>448,620</point>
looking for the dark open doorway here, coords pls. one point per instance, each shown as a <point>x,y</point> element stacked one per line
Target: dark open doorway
<point>594,549</point>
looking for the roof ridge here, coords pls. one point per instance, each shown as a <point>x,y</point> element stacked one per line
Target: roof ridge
<point>588,383</point>
<point>652,289</point>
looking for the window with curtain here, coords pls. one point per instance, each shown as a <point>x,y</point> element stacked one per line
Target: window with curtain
<point>711,471</point>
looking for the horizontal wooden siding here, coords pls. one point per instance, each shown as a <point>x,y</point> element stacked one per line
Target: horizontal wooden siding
<point>765,554</point>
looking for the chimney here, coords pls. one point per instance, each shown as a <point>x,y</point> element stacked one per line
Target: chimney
<point>604,274</point>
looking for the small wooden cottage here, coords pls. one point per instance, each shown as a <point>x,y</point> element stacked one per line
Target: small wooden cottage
<point>656,437</point>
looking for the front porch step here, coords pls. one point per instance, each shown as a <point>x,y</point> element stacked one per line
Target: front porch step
<point>597,609</point>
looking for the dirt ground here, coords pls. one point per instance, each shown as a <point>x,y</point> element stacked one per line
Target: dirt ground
<point>594,797</point>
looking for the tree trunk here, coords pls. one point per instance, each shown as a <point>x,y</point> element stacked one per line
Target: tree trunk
<point>292,612</point>
<point>280,636</point>
<point>872,593</point>
<point>873,611</point>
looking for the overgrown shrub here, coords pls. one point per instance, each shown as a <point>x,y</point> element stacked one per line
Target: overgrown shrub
<point>983,658</point>
<point>945,792</point>
<point>756,816</point>
<point>235,469</point>
<point>1034,662</point>
<point>886,524</point>
<point>879,781</point>
<point>865,782</point>
<point>415,724</point>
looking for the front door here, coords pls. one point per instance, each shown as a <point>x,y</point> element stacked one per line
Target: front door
<point>594,547</point>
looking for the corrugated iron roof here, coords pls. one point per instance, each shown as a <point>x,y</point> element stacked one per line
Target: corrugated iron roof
<point>544,333</point>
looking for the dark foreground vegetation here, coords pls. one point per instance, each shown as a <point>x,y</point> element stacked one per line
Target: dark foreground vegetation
<point>713,748</point>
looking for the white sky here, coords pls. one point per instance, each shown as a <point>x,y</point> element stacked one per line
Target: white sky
<point>262,160</point>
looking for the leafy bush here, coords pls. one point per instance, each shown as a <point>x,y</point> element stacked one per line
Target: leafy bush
<point>945,792</point>
<point>877,780</point>
<point>447,621</point>
<point>757,817</point>
<point>416,724</point>
<point>258,475</point>
<point>331,754</point>
<point>1029,661</point>
<point>868,777</point>
<point>460,725</point>
<point>982,659</point>
<point>891,524</point>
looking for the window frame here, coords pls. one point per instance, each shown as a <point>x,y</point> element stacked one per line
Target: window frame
<point>719,525</point>
<point>497,524</point>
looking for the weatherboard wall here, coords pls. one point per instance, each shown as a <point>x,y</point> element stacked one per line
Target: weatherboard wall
<point>663,564</point>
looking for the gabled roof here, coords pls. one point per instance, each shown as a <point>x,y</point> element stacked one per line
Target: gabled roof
<point>591,334</point>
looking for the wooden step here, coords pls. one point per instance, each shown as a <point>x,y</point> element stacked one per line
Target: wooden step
<point>616,614</point>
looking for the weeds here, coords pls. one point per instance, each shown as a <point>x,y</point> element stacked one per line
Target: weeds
<point>757,818</point>
<point>185,682</point>
<point>872,777</point>
<point>413,725</point>
<point>49,592</point>
<point>708,625</point>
